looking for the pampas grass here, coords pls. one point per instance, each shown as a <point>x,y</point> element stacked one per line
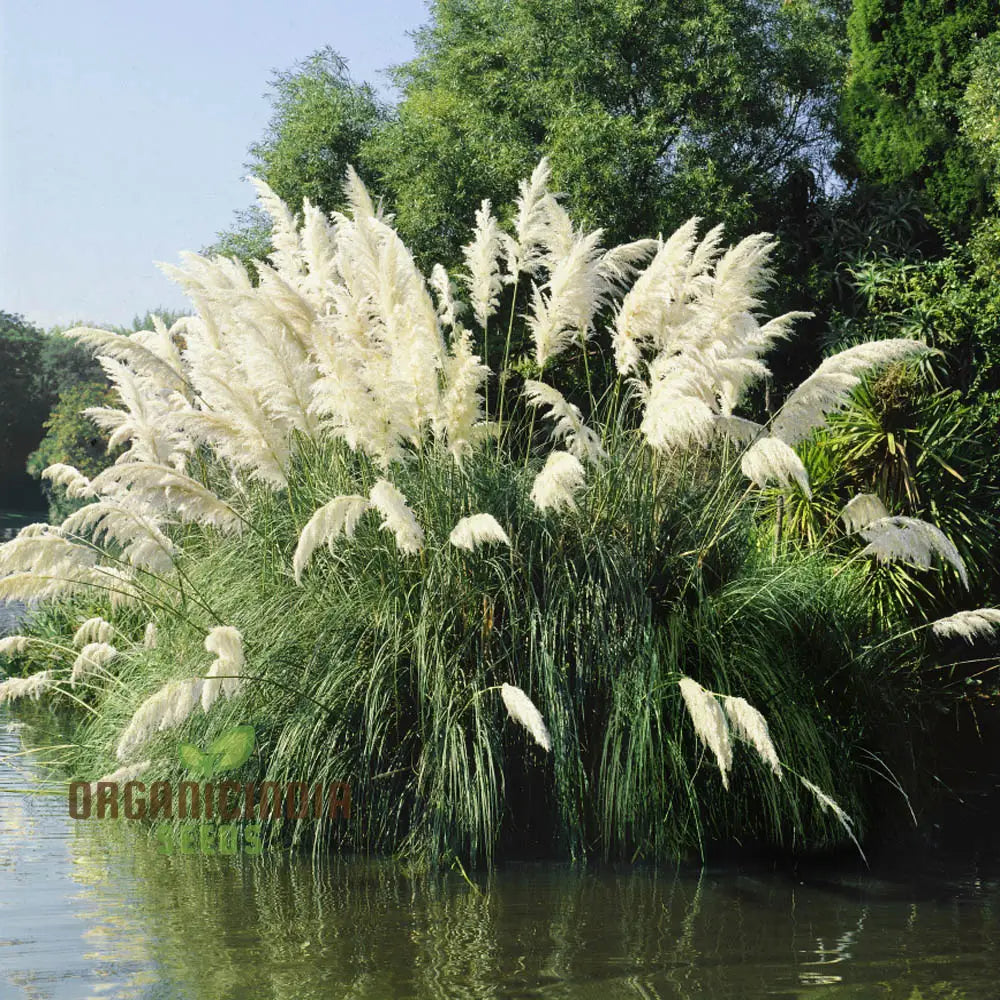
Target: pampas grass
<point>271,422</point>
<point>522,710</point>
<point>968,625</point>
<point>476,530</point>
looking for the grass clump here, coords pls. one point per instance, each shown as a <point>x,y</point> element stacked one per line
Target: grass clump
<point>493,610</point>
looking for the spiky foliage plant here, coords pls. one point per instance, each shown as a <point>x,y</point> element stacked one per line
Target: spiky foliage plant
<point>494,629</point>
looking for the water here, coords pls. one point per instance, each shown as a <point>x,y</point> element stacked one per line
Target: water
<point>92,910</point>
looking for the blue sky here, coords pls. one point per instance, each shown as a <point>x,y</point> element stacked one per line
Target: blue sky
<point>124,128</point>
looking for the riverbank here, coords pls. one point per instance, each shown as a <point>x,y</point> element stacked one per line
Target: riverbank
<point>99,908</point>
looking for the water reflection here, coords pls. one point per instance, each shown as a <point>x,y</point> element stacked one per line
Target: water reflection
<point>94,910</point>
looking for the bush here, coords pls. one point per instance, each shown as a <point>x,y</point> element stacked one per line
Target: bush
<point>591,577</point>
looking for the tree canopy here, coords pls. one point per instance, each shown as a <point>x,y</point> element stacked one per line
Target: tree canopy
<point>911,65</point>
<point>649,112</point>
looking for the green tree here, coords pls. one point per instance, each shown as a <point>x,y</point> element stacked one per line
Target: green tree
<point>650,112</point>
<point>980,111</point>
<point>320,120</point>
<point>911,64</point>
<point>24,401</point>
<point>72,439</point>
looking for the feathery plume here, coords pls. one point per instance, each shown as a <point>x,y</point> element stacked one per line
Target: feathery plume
<point>530,222</point>
<point>521,709</point>
<point>397,517</point>
<point>459,420</point>
<point>476,530</point>
<point>563,309</point>
<point>830,386</point>
<point>76,483</point>
<point>482,258</point>
<point>123,775</point>
<point>710,724</point>
<point>93,630</point>
<point>910,540</point>
<point>770,458</point>
<point>341,514</point>
<point>555,485</point>
<point>827,804</point>
<point>861,511</point>
<point>166,708</point>
<point>166,489</point>
<point>26,687</point>
<point>750,725</point>
<point>11,645</point>
<point>968,625</point>
<point>227,644</point>
<point>91,658</point>
<point>579,439</point>
<point>449,307</point>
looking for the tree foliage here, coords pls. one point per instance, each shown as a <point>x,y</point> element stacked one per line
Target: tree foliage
<point>320,121</point>
<point>911,64</point>
<point>72,439</point>
<point>649,112</point>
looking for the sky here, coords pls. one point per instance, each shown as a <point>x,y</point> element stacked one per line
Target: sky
<point>124,129</point>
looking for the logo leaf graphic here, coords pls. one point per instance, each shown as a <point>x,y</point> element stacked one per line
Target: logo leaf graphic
<point>194,760</point>
<point>232,749</point>
<point>226,752</point>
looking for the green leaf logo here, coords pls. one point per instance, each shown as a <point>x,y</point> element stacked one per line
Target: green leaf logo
<point>226,752</point>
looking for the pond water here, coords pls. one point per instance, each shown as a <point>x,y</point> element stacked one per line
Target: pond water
<point>92,909</point>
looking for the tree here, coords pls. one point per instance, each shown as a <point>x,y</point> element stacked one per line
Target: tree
<point>650,112</point>
<point>980,111</point>
<point>911,63</point>
<point>320,120</point>
<point>24,401</point>
<point>72,439</point>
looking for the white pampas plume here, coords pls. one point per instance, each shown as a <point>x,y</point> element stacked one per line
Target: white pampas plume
<point>91,658</point>
<point>76,483</point>
<point>738,429</point>
<point>141,354</point>
<point>530,222</point>
<point>476,530</point>
<point>123,775</point>
<point>131,522</point>
<point>555,485</point>
<point>751,726</point>
<point>830,386</point>
<point>341,514</point>
<point>910,540</point>
<point>579,439</point>
<point>171,491</point>
<point>93,630</point>
<point>286,252</point>
<point>710,724</point>
<point>770,458</point>
<point>459,419</point>
<point>227,644</point>
<point>11,645</point>
<point>861,511</point>
<point>563,310</point>
<point>397,517</point>
<point>449,308</point>
<point>26,687</point>
<point>149,637</point>
<point>482,259</point>
<point>166,708</point>
<point>521,709</point>
<point>827,804</point>
<point>968,625</point>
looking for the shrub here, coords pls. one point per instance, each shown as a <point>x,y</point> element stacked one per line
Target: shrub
<point>551,630</point>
